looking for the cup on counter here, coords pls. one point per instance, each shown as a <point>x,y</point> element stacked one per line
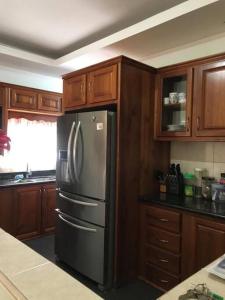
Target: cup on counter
<point>166,100</point>
<point>181,97</point>
<point>173,97</point>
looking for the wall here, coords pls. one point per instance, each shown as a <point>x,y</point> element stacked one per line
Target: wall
<point>208,155</point>
<point>24,78</point>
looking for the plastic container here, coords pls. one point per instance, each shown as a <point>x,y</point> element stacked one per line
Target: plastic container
<point>189,183</point>
<point>207,187</point>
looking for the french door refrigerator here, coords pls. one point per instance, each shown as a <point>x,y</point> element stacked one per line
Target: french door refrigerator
<point>85,175</point>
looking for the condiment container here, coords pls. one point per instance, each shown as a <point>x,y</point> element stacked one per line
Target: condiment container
<point>207,187</point>
<point>189,183</point>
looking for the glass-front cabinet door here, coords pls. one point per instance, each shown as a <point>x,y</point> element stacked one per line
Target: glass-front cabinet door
<point>173,103</point>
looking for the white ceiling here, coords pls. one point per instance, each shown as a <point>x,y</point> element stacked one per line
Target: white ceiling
<point>53,37</point>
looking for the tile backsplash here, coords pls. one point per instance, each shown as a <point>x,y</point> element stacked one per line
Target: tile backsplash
<point>206,155</point>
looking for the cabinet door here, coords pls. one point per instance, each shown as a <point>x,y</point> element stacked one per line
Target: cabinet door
<point>48,207</point>
<point>3,107</point>
<point>74,91</point>
<point>173,109</point>
<point>203,242</point>
<point>28,214</point>
<point>23,99</point>
<point>102,85</point>
<point>49,102</point>
<point>209,100</point>
<point>7,210</point>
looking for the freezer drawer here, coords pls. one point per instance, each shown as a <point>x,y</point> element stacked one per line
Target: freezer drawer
<point>81,245</point>
<point>83,208</point>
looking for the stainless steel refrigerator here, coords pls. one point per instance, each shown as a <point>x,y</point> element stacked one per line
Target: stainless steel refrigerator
<point>85,177</point>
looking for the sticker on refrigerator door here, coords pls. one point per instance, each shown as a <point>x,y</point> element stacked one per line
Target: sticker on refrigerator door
<point>99,126</point>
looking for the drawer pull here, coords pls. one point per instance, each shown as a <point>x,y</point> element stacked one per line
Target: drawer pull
<point>163,220</point>
<point>164,281</point>
<point>164,241</point>
<point>164,260</point>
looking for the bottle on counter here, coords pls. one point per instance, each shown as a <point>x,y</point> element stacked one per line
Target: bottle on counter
<point>189,184</point>
<point>199,173</point>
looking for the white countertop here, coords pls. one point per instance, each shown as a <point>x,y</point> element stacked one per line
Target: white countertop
<point>24,274</point>
<point>214,283</point>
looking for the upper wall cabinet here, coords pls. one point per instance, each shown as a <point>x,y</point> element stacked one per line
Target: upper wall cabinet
<point>3,108</point>
<point>102,84</point>
<point>173,103</point>
<point>209,97</point>
<point>74,91</point>
<point>191,110</point>
<point>35,101</point>
<point>23,99</point>
<point>97,86</point>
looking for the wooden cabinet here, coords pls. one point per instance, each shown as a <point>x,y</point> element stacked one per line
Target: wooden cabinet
<point>102,85</point>
<point>34,101</point>
<point>201,117</point>
<point>209,100</point>
<point>74,91</point>
<point>7,206</point>
<point>97,86</point>
<point>160,246</point>
<point>49,102</point>
<point>48,207</point>
<point>203,242</point>
<point>3,108</point>
<point>125,86</point>
<point>23,99</point>
<point>28,212</point>
<point>173,110</point>
<point>174,244</point>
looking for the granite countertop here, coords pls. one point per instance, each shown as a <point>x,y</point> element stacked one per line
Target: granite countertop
<point>214,283</point>
<point>32,180</point>
<point>24,274</point>
<point>206,207</point>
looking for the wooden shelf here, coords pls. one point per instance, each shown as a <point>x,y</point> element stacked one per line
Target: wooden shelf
<point>175,106</point>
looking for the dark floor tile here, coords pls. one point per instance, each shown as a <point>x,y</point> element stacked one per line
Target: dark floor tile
<point>137,290</point>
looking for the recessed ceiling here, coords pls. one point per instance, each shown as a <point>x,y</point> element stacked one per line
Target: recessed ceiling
<point>55,28</point>
<point>53,37</point>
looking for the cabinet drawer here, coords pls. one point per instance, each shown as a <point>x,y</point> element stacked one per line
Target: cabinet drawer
<point>160,278</point>
<point>163,259</point>
<point>163,218</point>
<point>163,239</point>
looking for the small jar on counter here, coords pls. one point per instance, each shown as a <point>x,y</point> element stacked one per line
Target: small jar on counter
<point>207,187</point>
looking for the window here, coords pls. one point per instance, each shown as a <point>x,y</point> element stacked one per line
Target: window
<point>33,143</point>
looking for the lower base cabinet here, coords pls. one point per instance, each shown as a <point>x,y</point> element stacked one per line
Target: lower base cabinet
<point>7,206</point>
<point>28,208</point>
<point>28,211</point>
<point>174,244</point>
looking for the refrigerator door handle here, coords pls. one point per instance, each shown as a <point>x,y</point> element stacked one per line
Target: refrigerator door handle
<point>69,150</point>
<point>75,152</point>
<point>60,214</point>
<point>77,201</point>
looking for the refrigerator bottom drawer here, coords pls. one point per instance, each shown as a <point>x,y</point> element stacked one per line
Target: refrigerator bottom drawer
<point>81,245</point>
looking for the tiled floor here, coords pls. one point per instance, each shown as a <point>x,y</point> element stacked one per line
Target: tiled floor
<point>137,290</point>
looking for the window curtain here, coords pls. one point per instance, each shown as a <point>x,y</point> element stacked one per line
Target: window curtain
<point>33,144</point>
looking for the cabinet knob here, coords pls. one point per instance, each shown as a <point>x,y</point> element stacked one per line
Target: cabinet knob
<point>188,124</point>
<point>164,281</point>
<point>164,260</point>
<point>163,220</point>
<point>164,241</point>
<point>198,122</point>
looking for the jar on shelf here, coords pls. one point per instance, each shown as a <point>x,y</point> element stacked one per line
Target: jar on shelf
<point>207,187</point>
